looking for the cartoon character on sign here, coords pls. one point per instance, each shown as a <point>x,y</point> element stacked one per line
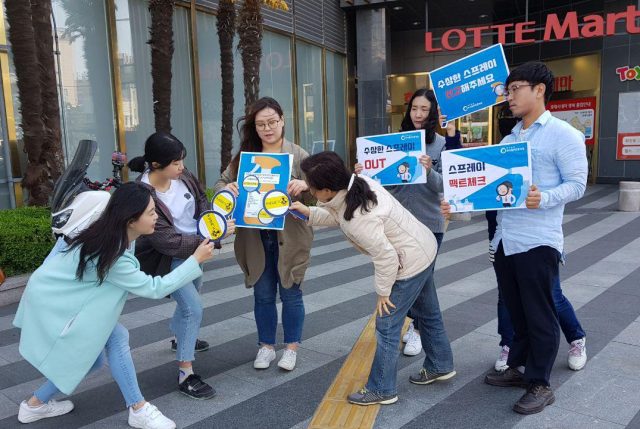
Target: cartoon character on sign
<point>403,172</point>
<point>499,90</point>
<point>505,194</point>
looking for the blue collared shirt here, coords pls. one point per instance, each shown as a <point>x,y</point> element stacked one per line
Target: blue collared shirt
<point>559,167</point>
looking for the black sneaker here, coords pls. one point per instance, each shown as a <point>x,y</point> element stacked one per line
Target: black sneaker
<point>426,377</point>
<point>364,397</point>
<point>537,397</point>
<point>200,346</point>
<point>195,388</point>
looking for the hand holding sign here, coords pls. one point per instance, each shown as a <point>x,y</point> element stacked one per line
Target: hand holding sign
<point>534,198</point>
<point>204,252</point>
<point>276,204</point>
<point>445,208</point>
<point>426,162</point>
<point>296,187</point>
<point>301,209</point>
<point>233,188</point>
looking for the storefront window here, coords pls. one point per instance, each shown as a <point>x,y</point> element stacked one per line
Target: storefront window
<point>401,88</point>
<point>85,77</point>
<point>336,104</point>
<point>275,76</point>
<point>475,128</point>
<point>310,111</point>
<point>134,58</point>
<point>275,81</point>
<point>210,93</point>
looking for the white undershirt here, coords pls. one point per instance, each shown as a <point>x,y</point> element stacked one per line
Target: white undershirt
<point>181,204</point>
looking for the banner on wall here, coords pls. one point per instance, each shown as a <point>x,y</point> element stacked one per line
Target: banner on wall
<point>392,159</point>
<point>628,146</point>
<point>472,83</point>
<point>494,177</point>
<point>580,113</point>
<point>259,174</point>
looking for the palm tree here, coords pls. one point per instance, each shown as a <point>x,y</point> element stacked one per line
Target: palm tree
<point>52,144</point>
<point>226,25</point>
<point>250,32</point>
<point>36,178</point>
<point>250,46</point>
<point>161,42</point>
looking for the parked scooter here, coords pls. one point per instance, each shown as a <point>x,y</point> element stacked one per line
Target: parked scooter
<point>78,201</point>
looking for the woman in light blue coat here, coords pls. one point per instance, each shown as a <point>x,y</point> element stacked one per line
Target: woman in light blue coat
<point>70,308</point>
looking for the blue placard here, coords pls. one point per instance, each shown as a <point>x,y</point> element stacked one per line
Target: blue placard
<point>471,83</point>
<point>494,177</point>
<point>258,174</point>
<point>392,159</point>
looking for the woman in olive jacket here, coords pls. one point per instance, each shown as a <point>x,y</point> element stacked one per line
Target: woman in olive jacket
<point>273,260</point>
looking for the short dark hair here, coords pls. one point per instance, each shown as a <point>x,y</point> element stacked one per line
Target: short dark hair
<point>533,72</point>
<point>162,148</point>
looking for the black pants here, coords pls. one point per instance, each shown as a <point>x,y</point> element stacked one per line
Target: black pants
<point>525,281</point>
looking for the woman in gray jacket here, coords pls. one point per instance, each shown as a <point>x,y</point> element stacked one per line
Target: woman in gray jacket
<point>422,200</point>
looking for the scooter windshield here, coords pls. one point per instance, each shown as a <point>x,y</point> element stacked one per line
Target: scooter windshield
<point>71,183</point>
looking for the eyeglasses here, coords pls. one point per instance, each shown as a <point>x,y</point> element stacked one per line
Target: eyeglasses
<point>513,88</point>
<point>272,125</point>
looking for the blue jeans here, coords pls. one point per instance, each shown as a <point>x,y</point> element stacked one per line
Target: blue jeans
<point>420,292</point>
<point>416,324</point>
<point>569,323</point>
<point>264,293</point>
<point>187,317</point>
<point>123,372</point>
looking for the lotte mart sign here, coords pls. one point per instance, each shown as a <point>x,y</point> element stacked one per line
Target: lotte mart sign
<point>570,27</point>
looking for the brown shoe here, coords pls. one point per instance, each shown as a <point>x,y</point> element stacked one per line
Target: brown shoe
<point>508,378</point>
<point>534,401</point>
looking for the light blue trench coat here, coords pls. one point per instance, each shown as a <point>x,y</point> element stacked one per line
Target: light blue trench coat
<point>66,323</point>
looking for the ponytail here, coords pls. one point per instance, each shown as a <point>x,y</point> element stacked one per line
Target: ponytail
<point>137,164</point>
<point>160,150</point>
<point>359,195</point>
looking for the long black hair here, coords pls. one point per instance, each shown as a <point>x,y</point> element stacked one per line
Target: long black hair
<point>105,240</point>
<point>326,170</point>
<point>250,141</point>
<point>430,124</point>
<point>161,148</point>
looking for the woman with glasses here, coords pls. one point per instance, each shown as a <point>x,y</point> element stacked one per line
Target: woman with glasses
<point>271,260</point>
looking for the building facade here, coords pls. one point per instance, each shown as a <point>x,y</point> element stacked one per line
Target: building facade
<point>339,68</point>
<point>592,47</point>
<point>104,70</point>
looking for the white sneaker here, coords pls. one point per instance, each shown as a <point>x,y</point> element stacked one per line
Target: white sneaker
<point>149,417</point>
<point>264,358</point>
<point>501,362</point>
<point>414,345</point>
<point>408,334</point>
<point>578,354</point>
<point>288,360</point>
<point>28,414</point>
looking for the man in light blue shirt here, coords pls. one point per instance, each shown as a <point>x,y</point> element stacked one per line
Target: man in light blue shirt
<point>529,242</point>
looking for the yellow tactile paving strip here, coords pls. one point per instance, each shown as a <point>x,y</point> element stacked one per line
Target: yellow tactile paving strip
<point>334,412</point>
